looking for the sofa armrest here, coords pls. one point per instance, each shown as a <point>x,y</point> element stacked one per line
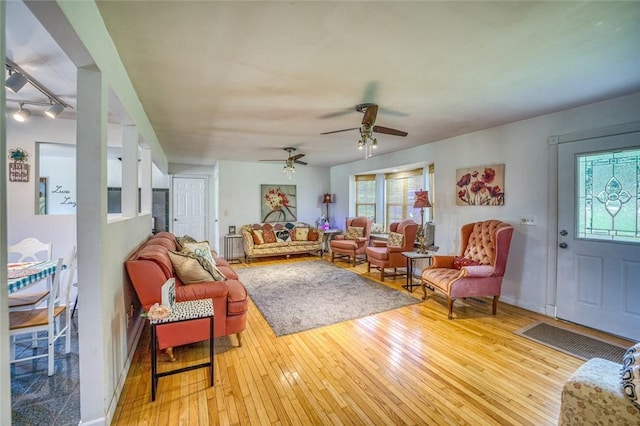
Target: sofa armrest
<point>378,243</point>
<point>338,237</point>
<point>205,290</point>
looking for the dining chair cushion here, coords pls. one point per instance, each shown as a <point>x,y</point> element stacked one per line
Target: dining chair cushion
<point>191,268</point>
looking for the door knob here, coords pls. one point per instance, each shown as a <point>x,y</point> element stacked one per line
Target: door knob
<point>563,232</point>
<point>562,245</point>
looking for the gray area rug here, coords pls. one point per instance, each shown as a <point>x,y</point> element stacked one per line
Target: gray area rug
<point>303,295</point>
<point>572,343</point>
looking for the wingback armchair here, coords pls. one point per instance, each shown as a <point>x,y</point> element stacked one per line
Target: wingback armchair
<point>479,268</point>
<point>388,254</point>
<point>352,245</point>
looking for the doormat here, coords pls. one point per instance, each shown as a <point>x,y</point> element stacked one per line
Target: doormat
<point>571,342</point>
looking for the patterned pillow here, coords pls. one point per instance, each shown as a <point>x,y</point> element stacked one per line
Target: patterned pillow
<point>257,236</point>
<point>313,235</point>
<point>269,236</point>
<point>630,374</point>
<point>395,240</point>
<point>191,268</point>
<point>354,232</point>
<point>201,248</point>
<point>282,235</point>
<point>459,262</point>
<point>302,234</point>
<point>180,241</point>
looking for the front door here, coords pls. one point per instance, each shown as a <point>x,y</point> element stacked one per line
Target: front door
<point>598,263</point>
<point>189,207</point>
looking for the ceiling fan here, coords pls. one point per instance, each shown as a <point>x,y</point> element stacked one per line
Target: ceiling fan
<point>289,166</point>
<point>367,141</point>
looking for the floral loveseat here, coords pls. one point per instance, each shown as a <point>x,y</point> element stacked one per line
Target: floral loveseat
<point>280,239</point>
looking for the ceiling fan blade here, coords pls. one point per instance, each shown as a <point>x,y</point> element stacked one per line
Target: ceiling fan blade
<point>297,157</point>
<point>337,131</point>
<point>388,131</point>
<point>300,162</point>
<point>273,160</point>
<point>370,115</point>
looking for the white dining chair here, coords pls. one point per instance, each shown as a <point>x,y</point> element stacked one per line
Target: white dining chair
<point>29,249</point>
<point>47,319</point>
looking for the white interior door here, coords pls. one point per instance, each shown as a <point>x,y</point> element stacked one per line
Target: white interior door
<point>189,207</point>
<point>598,269</point>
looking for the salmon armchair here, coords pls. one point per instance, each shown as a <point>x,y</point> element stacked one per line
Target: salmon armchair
<point>478,270</point>
<point>385,256</point>
<point>354,246</point>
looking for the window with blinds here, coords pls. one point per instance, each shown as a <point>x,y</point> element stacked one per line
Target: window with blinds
<point>366,196</point>
<point>400,189</point>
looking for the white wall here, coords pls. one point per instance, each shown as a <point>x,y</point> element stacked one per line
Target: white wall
<point>523,148</point>
<point>238,186</point>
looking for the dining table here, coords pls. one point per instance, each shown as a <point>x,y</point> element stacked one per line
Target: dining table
<point>24,274</point>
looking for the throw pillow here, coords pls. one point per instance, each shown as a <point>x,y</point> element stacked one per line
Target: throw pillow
<point>313,235</point>
<point>269,236</point>
<point>354,232</point>
<point>180,241</point>
<point>282,235</point>
<point>630,374</point>
<point>395,240</point>
<point>459,262</point>
<point>302,234</point>
<point>257,236</point>
<point>201,248</point>
<point>191,268</point>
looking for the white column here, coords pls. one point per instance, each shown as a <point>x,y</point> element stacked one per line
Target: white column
<point>146,183</point>
<point>129,171</point>
<point>5,376</point>
<point>91,222</point>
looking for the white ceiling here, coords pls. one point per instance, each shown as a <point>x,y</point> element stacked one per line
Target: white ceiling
<point>242,80</point>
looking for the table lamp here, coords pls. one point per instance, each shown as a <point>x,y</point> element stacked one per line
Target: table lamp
<point>422,201</point>
<point>326,199</point>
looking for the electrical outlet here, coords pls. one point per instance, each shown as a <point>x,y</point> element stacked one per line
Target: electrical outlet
<point>528,220</point>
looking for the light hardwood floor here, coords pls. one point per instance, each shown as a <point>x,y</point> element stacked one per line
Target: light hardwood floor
<point>408,366</point>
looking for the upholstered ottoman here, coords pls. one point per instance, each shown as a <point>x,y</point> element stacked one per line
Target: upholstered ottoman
<point>593,395</point>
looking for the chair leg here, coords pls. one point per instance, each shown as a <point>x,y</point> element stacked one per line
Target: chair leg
<point>368,266</point>
<point>381,274</point>
<point>354,259</point>
<point>450,306</point>
<point>67,333</point>
<point>239,337</point>
<point>75,305</point>
<point>424,290</point>
<point>333,257</point>
<point>495,304</point>
<point>169,352</point>
<point>50,351</point>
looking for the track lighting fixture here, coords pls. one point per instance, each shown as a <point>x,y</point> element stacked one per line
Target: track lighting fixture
<point>22,114</point>
<point>15,82</point>
<point>18,78</point>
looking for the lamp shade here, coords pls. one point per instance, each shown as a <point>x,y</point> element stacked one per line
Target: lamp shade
<point>422,200</point>
<point>326,199</point>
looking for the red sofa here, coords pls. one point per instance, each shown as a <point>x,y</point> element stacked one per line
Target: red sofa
<point>150,267</point>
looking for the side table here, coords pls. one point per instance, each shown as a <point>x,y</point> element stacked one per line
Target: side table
<point>326,240</point>
<point>182,311</point>
<point>412,256</point>
<point>230,242</point>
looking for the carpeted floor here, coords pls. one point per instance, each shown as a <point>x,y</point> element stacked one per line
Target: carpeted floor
<point>573,343</point>
<point>304,295</point>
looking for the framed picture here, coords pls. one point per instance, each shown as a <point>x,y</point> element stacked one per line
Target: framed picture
<point>278,203</point>
<point>42,196</point>
<point>232,230</point>
<point>480,186</point>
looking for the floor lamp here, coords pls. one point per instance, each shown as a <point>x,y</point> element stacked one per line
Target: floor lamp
<point>422,202</point>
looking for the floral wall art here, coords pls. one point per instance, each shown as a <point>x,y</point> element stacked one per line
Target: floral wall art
<point>278,203</point>
<point>480,186</point>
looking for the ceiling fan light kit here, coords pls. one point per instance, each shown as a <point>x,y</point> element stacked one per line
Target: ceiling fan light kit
<point>367,141</point>
<point>289,164</point>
